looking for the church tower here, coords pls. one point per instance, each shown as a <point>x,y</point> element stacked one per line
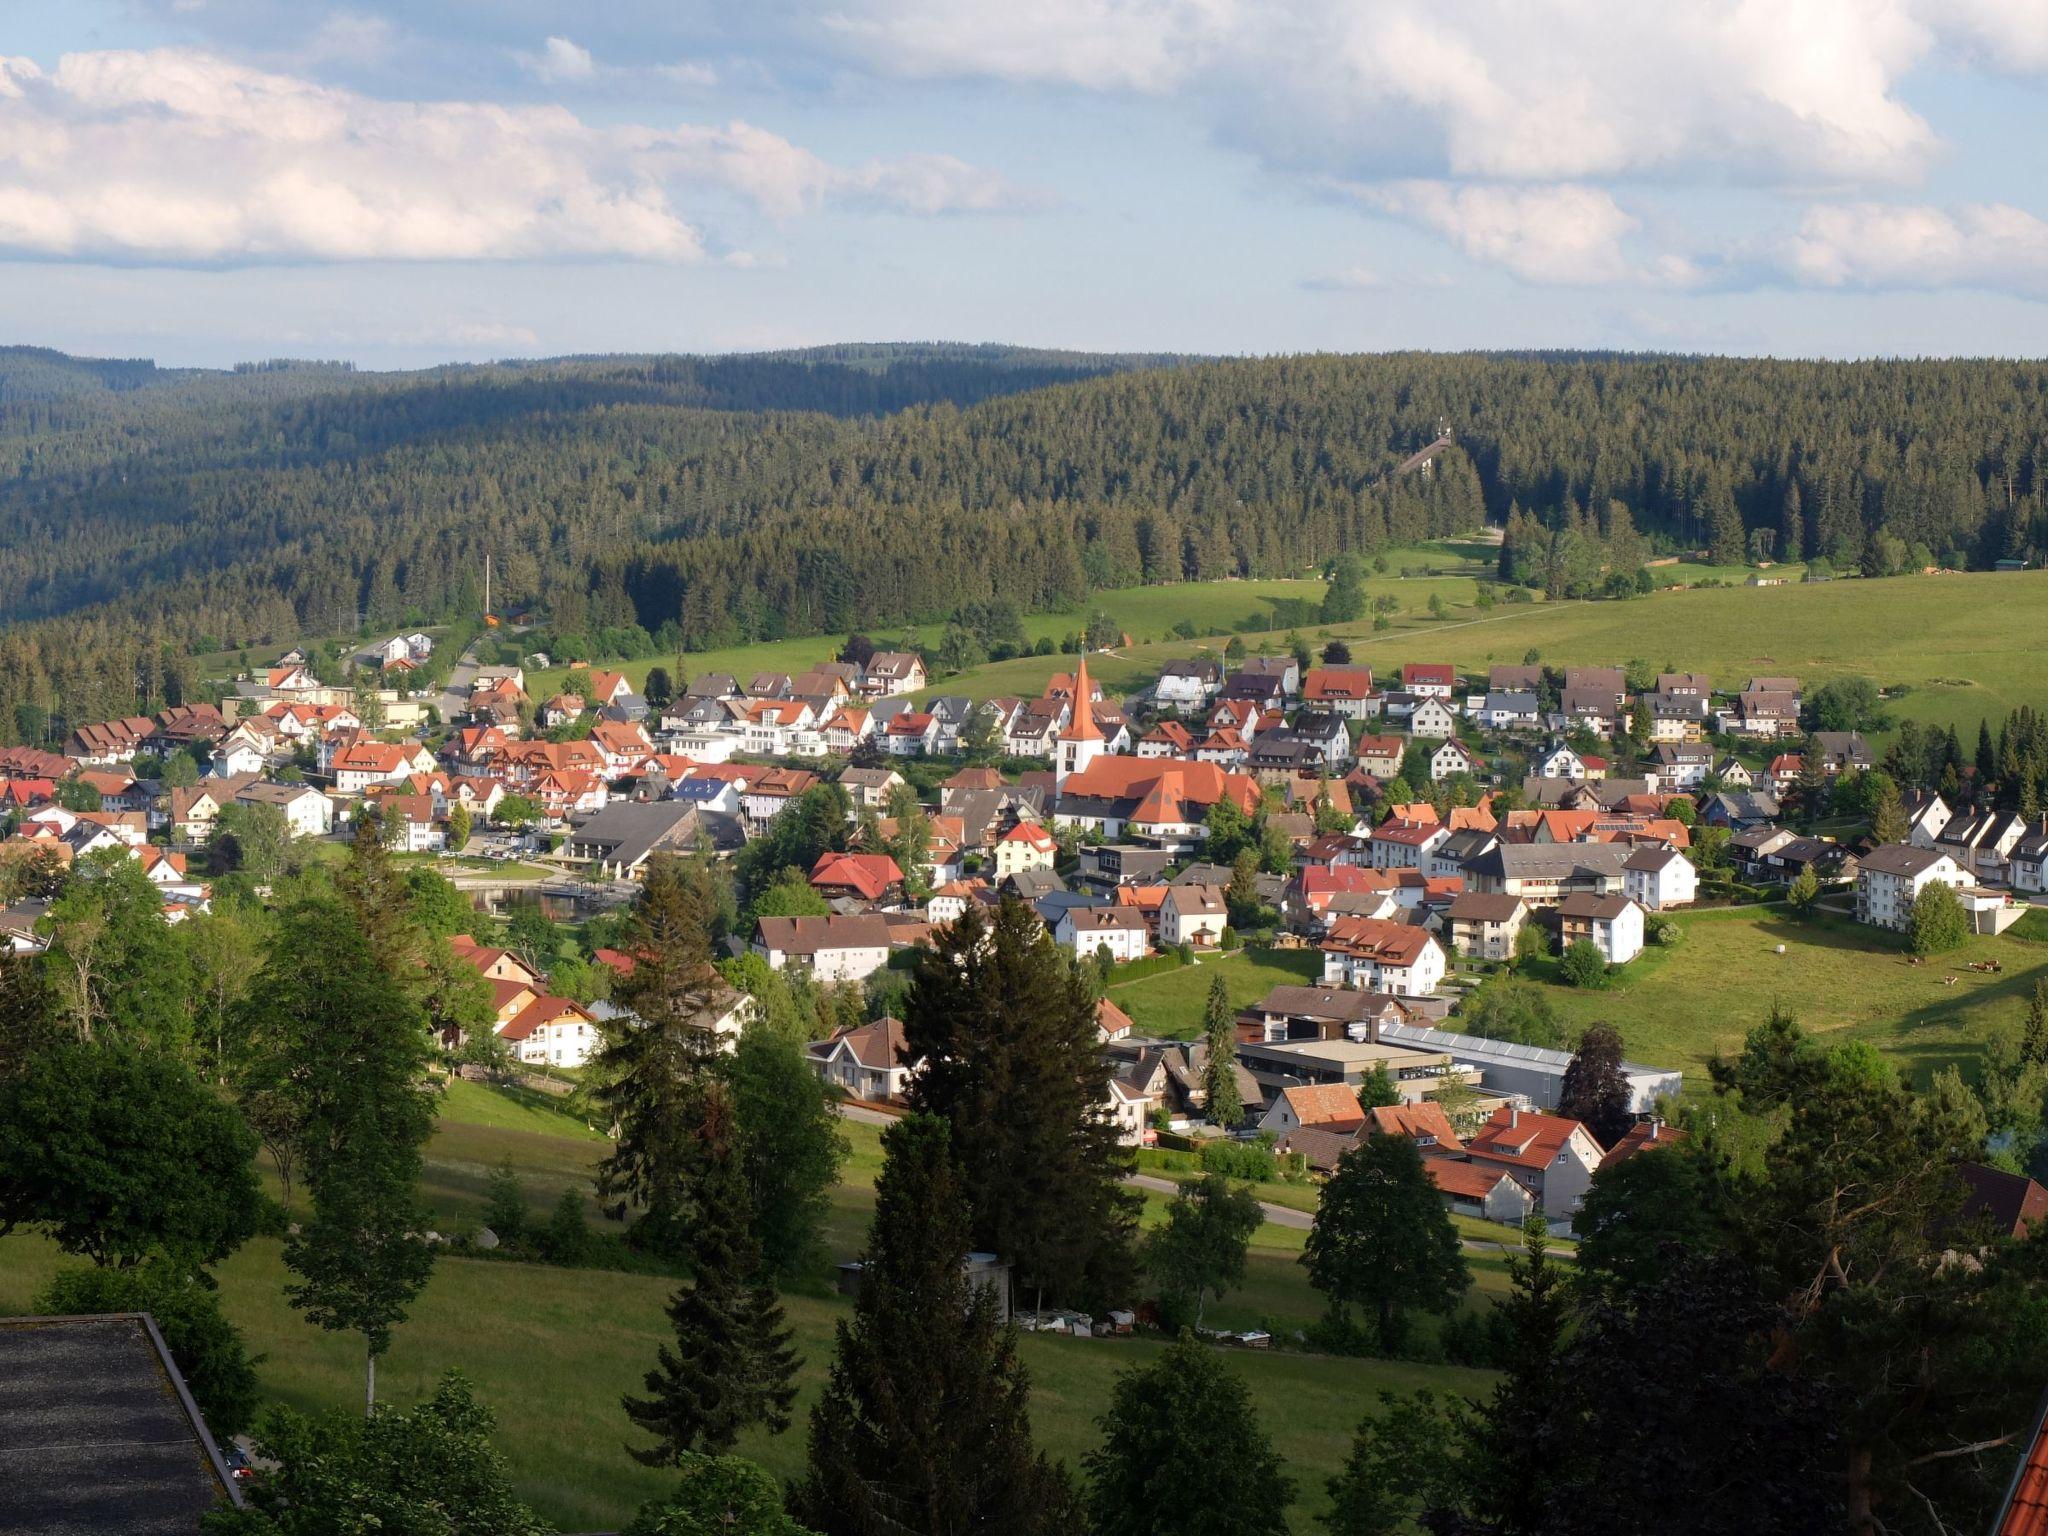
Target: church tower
<point>1080,742</point>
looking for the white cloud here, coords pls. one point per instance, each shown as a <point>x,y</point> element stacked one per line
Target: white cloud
<point>178,156</point>
<point>687,72</point>
<point>559,60</point>
<point>1537,90</point>
<point>1886,245</point>
<point>1573,236</point>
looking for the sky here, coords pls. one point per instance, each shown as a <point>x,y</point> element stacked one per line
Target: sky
<point>208,181</point>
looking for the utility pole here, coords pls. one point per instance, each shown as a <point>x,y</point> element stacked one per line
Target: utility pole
<point>487,586</point>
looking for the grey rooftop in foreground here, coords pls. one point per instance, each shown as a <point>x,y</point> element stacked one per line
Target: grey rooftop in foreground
<point>98,1434</point>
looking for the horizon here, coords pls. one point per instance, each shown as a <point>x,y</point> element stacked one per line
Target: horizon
<point>398,186</point>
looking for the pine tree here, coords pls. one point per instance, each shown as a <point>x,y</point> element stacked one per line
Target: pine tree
<point>1006,1031</point>
<point>1888,815</point>
<point>731,1367</point>
<point>923,1425</point>
<point>1219,1074</point>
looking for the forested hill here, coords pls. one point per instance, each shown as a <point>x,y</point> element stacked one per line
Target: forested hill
<point>719,499</point>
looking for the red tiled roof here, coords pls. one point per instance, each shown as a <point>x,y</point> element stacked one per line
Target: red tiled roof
<point>1329,1105</point>
<point>1375,938</point>
<point>1419,1121</point>
<point>1527,1140</point>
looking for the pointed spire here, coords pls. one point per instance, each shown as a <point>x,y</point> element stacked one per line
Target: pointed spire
<point>1081,724</point>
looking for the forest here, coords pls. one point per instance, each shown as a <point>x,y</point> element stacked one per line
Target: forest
<point>148,514</point>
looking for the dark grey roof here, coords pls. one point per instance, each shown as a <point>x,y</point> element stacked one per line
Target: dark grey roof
<point>1513,703</point>
<point>1902,859</point>
<point>1338,1004</point>
<point>626,831</point>
<point>1527,861</point>
<point>98,1434</point>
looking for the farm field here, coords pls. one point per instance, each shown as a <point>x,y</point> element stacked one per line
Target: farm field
<point>578,1339</point>
<point>1677,1007</point>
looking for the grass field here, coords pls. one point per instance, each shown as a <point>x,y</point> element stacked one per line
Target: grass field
<point>552,1350</point>
<point>1677,1007</point>
<point>1171,1002</point>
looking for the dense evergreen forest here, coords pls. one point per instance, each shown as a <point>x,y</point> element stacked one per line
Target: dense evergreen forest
<point>147,514</point>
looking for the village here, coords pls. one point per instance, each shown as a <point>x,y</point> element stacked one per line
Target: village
<point>1405,836</point>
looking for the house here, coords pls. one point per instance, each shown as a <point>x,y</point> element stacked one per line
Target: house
<point>553,1031</point>
<point>910,733</point>
<point>838,948</point>
<point>306,812</point>
<point>1025,846</point>
<point>1644,1136</point>
<point>1187,684</point>
<point>619,840</point>
<point>867,878</point>
<point>1283,670</point>
<point>2027,864</point>
<point>1108,865</point>
<point>1741,809</point>
<point>1089,930</point>
<point>1611,924</point>
<point>1401,843</point>
<point>1659,878</point>
<point>1318,1106</point>
<point>1342,691</point>
<point>1381,756</point>
<point>1431,717</point>
<point>1611,681</point>
<point>1452,759</point>
<point>1979,841</point>
<point>1376,955</point>
<point>1592,709</point>
<point>1483,926</point>
<point>1927,815</point>
<point>1681,765</point>
<point>1167,803</point>
<point>889,673</point>
<point>2011,1203</point>
<point>1194,915</point>
<point>365,764</point>
<point>1429,679</point>
<point>1543,874</point>
<point>1510,712</point>
<point>869,1062</point>
<point>1482,1189</point>
<point>1509,677</point>
<point>1889,879</point>
<point>1787,859</point>
<point>1559,762</point>
<point>869,788</point>
<point>1319,1013</point>
<point>1843,752</point>
<point>1551,1157</point>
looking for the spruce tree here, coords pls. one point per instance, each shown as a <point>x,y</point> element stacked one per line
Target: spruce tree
<point>1006,1032</point>
<point>1183,1450</point>
<point>653,1069</point>
<point>1219,1074</point>
<point>1514,1438</point>
<point>1888,815</point>
<point>923,1426</point>
<point>731,1367</point>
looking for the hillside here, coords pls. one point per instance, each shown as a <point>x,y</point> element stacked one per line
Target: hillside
<point>651,504</point>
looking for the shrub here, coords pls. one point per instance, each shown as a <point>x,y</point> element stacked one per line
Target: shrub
<point>1583,965</point>
<point>566,1238</point>
<point>1939,922</point>
<point>1240,1160</point>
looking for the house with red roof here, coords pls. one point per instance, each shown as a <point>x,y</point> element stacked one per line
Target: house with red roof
<point>1429,679</point>
<point>1026,846</point>
<point>1159,801</point>
<point>1375,954</point>
<point>869,1062</point>
<point>1320,1106</point>
<point>1551,1157</point>
<point>870,879</point>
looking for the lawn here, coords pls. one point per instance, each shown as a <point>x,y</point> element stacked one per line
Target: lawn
<point>1677,1007</point>
<point>552,1350</point>
<point>1170,1003</point>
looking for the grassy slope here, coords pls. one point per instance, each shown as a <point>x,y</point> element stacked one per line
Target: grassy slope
<point>1960,642</point>
<point>1171,1002</point>
<point>552,1350</point>
<point>1677,1007</point>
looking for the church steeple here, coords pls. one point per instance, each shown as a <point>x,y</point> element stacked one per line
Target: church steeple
<point>1080,740</point>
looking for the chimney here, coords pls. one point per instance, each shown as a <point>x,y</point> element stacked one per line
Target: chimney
<point>1656,1125</point>
<point>1514,1117</point>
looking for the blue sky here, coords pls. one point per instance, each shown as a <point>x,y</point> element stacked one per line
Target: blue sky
<point>204,181</point>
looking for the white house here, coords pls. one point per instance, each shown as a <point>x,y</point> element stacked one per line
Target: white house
<point>1400,844</point>
<point>306,812</point>
<point>1193,914</point>
<point>1432,717</point>
<point>1187,684</point>
<point>1509,712</point>
<point>1086,930</point>
<point>1026,846</point>
<point>869,1062</point>
<point>552,1031</point>
<point>234,757</point>
<point>1658,877</point>
<point>1611,924</point>
<point>1452,759</point>
<point>1927,820</point>
<point>830,948</point>
<point>1889,879</point>
<point>1378,955</point>
<point>1551,1157</point>
<point>1560,762</point>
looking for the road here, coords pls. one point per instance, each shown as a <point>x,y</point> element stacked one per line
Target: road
<point>1278,1215</point>
<point>454,697</point>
